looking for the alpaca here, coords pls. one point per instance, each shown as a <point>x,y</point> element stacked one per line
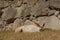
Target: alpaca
<point>28,28</point>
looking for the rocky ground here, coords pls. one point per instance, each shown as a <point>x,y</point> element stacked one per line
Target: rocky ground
<point>30,18</point>
<point>42,13</point>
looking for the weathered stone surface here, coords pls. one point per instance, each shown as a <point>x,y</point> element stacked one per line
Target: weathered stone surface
<point>38,8</point>
<point>1,4</point>
<point>59,16</point>
<point>9,13</point>
<point>4,3</point>
<point>42,20</point>
<point>57,13</point>
<point>3,23</point>
<point>53,22</point>
<point>30,12</point>
<point>25,12</point>
<point>28,28</point>
<point>17,23</point>
<point>19,11</point>
<point>9,27</point>
<point>50,12</point>
<point>28,22</point>
<point>17,3</point>
<point>55,3</point>
<point>30,3</point>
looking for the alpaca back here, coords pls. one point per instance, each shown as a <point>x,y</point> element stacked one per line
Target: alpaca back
<point>28,28</point>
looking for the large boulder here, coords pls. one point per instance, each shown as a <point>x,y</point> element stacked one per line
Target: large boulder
<point>8,27</point>
<point>53,23</point>
<point>51,12</point>
<point>19,11</point>
<point>4,4</point>
<point>54,3</point>
<point>28,22</point>
<point>59,16</point>
<point>1,4</point>
<point>17,3</point>
<point>41,20</point>
<point>17,23</point>
<point>26,12</point>
<point>39,8</point>
<point>23,11</point>
<point>3,23</point>
<point>9,13</point>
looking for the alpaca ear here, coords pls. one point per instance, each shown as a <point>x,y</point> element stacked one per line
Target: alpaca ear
<point>42,27</point>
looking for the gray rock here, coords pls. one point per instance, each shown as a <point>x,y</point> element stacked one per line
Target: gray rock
<point>51,12</point>
<point>57,13</point>
<point>8,27</point>
<point>17,23</point>
<point>55,3</point>
<point>38,8</point>
<point>4,4</point>
<point>53,23</point>
<point>17,3</point>
<point>1,28</point>
<point>1,4</point>
<point>19,11</point>
<point>42,20</point>
<point>23,11</point>
<point>3,23</point>
<point>30,3</point>
<point>28,22</point>
<point>9,13</point>
<point>59,16</point>
<point>26,12</point>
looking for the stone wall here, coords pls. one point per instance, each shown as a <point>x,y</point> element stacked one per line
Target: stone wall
<point>14,13</point>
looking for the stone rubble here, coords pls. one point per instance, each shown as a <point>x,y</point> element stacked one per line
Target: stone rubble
<point>35,14</point>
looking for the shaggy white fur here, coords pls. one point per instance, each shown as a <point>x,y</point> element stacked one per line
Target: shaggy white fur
<point>28,28</point>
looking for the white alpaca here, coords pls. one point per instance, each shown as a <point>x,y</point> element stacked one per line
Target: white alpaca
<point>28,28</point>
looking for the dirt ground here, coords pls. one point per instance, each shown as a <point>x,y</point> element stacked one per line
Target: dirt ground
<point>44,35</point>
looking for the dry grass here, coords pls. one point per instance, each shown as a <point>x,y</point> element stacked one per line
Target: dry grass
<point>45,35</point>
